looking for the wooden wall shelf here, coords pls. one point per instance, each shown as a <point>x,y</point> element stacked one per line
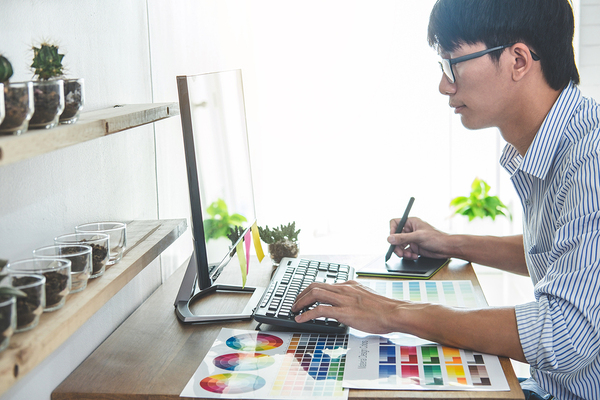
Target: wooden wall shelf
<point>147,239</point>
<point>91,125</point>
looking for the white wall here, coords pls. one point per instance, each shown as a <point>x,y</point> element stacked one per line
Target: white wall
<point>349,73</point>
<point>112,178</point>
<point>589,51</point>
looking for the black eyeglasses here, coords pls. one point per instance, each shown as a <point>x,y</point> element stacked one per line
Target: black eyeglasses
<point>447,63</point>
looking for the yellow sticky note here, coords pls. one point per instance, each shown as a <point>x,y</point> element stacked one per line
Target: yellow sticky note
<point>239,249</point>
<point>257,246</point>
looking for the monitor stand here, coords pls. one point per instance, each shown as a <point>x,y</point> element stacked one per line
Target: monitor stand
<point>186,296</point>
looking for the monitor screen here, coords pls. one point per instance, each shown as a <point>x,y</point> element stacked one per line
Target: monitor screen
<point>218,167</point>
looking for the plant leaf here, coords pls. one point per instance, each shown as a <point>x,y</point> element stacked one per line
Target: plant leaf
<point>458,201</point>
<point>237,219</point>
<point>11,291</point>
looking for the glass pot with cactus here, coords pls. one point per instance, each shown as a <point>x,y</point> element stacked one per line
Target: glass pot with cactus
<point>282,241</point>
<point>47,65</point>
<point>18,101</point>
<point>49,96</point>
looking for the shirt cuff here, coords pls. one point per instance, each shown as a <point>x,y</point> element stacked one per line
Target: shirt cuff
<point>532,323</point>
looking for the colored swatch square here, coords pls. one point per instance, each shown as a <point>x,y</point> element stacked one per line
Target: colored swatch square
<point>410,375</point>
<point>430,355</point>
<point>468,295</point>
<point>456,374</point>
<point>479,375</point>
<point>408,354</point>
<point>414,290</point>
<point>433,375</point>
<point>385,371</point>
<point>432,292</point>
<point>387,354</point>
<point>449,293</point>
<point>473,358</point>
<point>451,355</point>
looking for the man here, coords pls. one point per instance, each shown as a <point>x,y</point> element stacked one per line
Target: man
<point>510,64</point>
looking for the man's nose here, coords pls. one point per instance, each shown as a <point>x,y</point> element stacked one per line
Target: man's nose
<point>446,88</point>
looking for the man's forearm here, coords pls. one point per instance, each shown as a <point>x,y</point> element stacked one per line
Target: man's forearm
<point>489,330</point>
<point>502,252</point>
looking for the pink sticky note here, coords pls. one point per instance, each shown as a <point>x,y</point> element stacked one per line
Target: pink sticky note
<point>247,240</point>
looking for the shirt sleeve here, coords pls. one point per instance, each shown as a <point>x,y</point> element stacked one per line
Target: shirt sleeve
<point>560,331</point>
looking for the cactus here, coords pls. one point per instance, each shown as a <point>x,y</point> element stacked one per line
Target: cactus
<point>10,291</point>
<point>280,234</point>
<point>47,62</point>
<point>6,70</point>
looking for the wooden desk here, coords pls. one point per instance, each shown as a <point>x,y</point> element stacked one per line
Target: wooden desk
<point>153,356</point>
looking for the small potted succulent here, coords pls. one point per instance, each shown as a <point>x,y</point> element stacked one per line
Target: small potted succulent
<point>282,241</point>
<point>47,65</point>
<point>8,311</point>
<point>18,101</point>
<point>48,89</point>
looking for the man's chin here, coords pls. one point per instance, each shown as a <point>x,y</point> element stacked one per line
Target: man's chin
<point>472,125</point>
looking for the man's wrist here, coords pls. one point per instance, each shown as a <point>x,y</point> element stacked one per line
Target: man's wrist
<point>457,246</point>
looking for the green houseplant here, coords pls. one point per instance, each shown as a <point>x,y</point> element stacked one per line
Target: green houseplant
<point>282,241</point>
<point>18,101</point>
<point>219,228</point>
<point>479,204</point>
<point>220,221</point>
<point>49,96</point>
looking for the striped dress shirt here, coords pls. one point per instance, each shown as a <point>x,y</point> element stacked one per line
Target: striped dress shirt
<point>558,183</point>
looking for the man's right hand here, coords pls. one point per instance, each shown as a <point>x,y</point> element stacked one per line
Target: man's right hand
<point>419,238</point>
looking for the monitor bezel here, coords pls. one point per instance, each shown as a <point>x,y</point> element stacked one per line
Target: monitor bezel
<point>199,279</point>
<point>207,273</point>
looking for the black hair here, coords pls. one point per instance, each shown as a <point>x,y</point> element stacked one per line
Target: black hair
<point>546,26</point>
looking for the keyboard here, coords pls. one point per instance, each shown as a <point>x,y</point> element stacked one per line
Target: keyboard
<point>291,277</point>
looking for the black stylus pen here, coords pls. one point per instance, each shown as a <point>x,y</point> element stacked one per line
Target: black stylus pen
<point>400,226</point>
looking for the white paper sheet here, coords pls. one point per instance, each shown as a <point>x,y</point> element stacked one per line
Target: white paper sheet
<point>377,362</point>
<point>275,365</point>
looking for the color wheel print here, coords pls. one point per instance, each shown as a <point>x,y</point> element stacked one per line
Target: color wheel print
<point>243,361</point>
<point>232,383</point>
<point>248,342</point>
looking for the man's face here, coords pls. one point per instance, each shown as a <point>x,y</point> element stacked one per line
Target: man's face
<point>480,90</point>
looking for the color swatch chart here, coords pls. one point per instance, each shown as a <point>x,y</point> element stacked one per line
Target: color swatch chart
<point>275,365</point>
<point>377,362</point>
<point>450,293</point>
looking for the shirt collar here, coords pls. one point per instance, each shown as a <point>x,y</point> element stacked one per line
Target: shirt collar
<point>539,156</point>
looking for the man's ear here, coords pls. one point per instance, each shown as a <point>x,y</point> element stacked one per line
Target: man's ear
<point>522,61</point>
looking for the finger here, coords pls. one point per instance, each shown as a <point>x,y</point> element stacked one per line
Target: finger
<point>303,298</point>
<point>322,310</point>
<point>406,254</point>
<point>393,225</point>
<point>321,293</point>
<point>340,287</point>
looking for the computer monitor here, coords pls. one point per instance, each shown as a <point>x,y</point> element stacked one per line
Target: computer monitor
<point>217,157</point>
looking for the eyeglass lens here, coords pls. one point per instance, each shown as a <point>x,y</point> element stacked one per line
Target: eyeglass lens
<point>447,69</point>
